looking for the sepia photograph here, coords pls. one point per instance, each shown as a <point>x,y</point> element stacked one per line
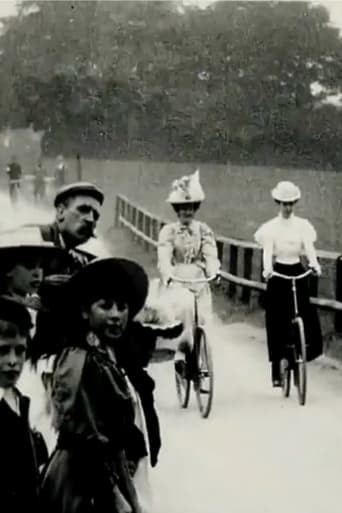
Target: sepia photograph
<point>170,256</point>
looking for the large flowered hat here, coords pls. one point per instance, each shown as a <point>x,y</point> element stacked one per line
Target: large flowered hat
<point>286,192</point>
<point>186,190</point>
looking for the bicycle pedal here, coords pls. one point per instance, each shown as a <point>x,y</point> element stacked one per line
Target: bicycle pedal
<point>202,391</point>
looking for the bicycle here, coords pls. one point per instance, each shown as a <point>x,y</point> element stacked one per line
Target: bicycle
<point>295,350</point>
<point>199,363</point>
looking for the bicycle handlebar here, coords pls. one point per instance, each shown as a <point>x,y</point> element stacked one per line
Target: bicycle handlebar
<point>285,277</point>
<point>193,281</point>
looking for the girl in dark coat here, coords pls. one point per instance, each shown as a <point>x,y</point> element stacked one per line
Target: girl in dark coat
<point>92,406</point>
<point>93,403</point>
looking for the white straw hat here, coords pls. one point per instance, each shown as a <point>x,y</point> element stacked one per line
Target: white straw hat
<point>186,190</point>
<point>286,192</point>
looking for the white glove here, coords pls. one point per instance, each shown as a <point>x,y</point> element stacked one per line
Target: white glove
<point>267,273</point>
<point>316,269</point>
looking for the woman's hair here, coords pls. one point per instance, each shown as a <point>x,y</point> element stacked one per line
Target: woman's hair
<point>9,329</point>
<point>177,206</point>
<point>280,202</point>
<point>53,334</point>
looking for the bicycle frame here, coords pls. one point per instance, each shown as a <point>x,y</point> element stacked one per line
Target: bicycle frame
<point>296,350</point>
<point>195,281</point>
<point>202,378</point>
<point>293,279</point>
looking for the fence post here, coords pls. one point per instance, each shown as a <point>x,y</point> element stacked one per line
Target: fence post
<point>219,245</point>
<point>146,230</point>
<point>123,208</point>
<point>247,273</point>
<point>338,289</point>
<point>233,267</point>
<point>117,211</point>
<point>262,295</point>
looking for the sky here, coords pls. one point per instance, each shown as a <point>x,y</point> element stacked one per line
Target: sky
<point>8,7</point>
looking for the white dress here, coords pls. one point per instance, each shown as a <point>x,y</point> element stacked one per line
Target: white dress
<point>187,252</point>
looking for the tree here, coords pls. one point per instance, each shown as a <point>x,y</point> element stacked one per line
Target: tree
<point>162,80</point>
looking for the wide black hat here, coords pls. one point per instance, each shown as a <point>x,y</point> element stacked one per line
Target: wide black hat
<point>78,189</point>
<point>21,243</point>
<point>116,278</point>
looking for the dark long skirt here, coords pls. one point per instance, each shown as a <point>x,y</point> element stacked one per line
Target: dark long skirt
<point>280,311</point>
<point>77,481</point>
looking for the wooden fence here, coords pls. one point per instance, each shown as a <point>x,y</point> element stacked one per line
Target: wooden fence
<point>241,261</point>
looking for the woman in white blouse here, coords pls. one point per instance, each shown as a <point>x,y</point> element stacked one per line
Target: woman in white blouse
<point>284,240</point>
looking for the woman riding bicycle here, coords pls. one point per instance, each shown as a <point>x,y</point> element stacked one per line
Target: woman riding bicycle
<point>186,249</point>
<point>284,240</point>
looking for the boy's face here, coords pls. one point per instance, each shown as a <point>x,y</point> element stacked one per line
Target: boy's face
<point>12,358</point>
<point>107,318</point>
<point>25,278</point>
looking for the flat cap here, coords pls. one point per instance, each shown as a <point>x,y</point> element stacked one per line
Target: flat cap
<point>78,188</point>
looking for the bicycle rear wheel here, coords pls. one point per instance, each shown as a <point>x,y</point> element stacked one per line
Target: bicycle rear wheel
<point>300,362</point>
<point>183,390</point>
<point>204,382</point>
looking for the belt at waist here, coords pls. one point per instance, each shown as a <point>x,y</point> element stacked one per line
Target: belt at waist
<point>288,260</point>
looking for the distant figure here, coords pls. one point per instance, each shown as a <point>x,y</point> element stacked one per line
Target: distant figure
<point>60,172</point>
<point>14,173</point>
<point>78,167</point>
<point>39,182</point>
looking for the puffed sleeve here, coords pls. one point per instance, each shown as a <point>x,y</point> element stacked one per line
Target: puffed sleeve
<point>209,250</point>
<point>262,234</point>
<point>309,232</point>
<point>165,251</point>
<point>264,237</point>
<point>65,385</point>
<point>309,238</point>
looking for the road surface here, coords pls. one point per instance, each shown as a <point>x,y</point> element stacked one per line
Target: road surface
<point>257,452</point>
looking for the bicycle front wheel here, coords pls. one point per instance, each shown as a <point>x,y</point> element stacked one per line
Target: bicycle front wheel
<point>300,362</point>
<point>183,390</point>
<point>204,382</point>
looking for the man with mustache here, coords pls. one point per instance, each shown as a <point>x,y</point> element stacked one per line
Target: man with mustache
<point>78,207</point>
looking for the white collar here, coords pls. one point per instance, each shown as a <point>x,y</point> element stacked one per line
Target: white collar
<point>61,240</point>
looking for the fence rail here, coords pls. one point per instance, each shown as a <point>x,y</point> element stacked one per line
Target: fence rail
<point>241,261</point>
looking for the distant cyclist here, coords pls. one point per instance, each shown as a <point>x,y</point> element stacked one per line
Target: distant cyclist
<point>284,240</point>
<point>186,249</point>
<point>14,173</point>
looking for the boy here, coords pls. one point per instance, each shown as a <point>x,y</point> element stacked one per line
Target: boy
<point>19,459</point>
